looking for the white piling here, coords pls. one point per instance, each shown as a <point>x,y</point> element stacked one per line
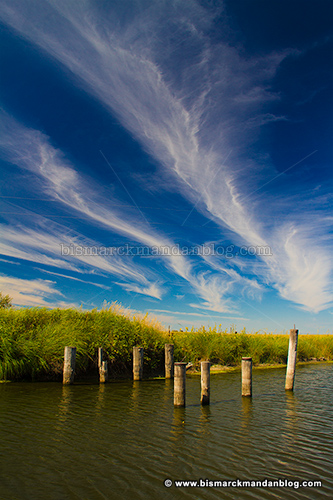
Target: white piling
<point>179,384</point>
<point>246,376</point>
<point>169,370</point>
<point>137,363</point>
<point>292,355</point>
<point>205,382</point>
<point>69,365</point>
<point>103,372</point>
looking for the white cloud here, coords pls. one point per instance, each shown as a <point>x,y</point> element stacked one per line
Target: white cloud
<point>74,279</point>
<point>10,262</point>
<point>152,290</point>
<point>308,269</point>
<point>35,293</point>
<point>31,150</point>
<point>200,315</point>
<point>37,243</point>
<point>33,256</point>
<point>189,120</point>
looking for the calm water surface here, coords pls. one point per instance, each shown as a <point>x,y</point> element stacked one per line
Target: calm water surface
<point>122,440</point>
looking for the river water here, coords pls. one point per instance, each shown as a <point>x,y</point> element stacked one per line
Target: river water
<point>123,439</point>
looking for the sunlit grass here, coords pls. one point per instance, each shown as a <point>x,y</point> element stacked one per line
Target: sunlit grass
<point>32,343</point>
<point>32,340</point>
<point>229,348</point>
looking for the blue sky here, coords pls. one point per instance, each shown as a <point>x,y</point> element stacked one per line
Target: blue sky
<point>174,156</point>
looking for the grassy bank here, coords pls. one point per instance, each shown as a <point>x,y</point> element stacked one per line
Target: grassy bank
<point>32,343</point>
<point>229,348</point>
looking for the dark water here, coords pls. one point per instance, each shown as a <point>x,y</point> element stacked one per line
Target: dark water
<point>122,440</point>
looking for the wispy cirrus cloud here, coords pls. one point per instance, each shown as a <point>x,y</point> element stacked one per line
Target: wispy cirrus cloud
<point>303,267</point>
<point>152,290</point>
<point>42,245</point>
<point>30,292</point>
<point>10,262</point>
<point>190,314</point>
<point>66,276</point>
<point>30,149</point>
<point>189,117</point>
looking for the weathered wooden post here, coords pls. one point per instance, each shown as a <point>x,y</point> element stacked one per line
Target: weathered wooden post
<point>246,376</point>
<point>179,384</point>
<point>100,357</point>
<point>69,365</point>
<point>103,372</point>
<point>102,367</point>
<point>292,355</point>
<point>137,363</point>
<point>169,360</point>
<point>205,382</point>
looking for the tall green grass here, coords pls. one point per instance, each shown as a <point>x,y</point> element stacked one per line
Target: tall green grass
<point>32,343</point>
<point>229,348</point>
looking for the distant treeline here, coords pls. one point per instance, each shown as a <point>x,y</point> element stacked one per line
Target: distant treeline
<point>32,342</point>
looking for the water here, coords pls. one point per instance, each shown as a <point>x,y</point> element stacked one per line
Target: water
<point>122,440</point>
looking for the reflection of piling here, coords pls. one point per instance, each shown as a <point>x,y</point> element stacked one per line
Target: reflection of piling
<point>69,365</point>
<point>246,376</point>
<point>169,361</point>
<point>292,355</point>
<point>246,410</point>
<point>137,363</point>
<point>205,382</point>
<point>179,384</point>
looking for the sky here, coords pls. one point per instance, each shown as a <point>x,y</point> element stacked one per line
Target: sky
<point>174,156</point>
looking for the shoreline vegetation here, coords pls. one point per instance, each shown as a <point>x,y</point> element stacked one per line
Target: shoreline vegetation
<point>32,342</point>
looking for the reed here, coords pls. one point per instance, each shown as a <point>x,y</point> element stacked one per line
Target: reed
<point>264,348</point>
<point>32,340</point>
<point>32,343</point>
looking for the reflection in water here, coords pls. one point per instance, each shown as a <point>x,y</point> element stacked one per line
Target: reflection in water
<point>291,421</point>
<point>242,436</point>
<point>178,423</point>
<point>65,403</point>
<point>205,415</point>
<point>135,396</point>
<point>100,402</point>
<point>204,432</point>
<point>291,407</point>
<point>168,390</point>
<point>247,411</point>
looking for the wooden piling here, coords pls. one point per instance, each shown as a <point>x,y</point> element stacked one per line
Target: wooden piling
<point>205,382</point>
<point>246,376</point>
<point>103,373</point>
<point>179,384</point>
<point>100,357</point>
<point>137,363</point>
<point>292,355</point>
<point>69,365</point>
<point>169,371</point>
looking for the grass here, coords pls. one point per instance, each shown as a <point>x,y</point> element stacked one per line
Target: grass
<point>32,343</point>
<point>229,348</point>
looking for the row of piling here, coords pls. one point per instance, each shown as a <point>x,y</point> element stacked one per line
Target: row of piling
<point>177,371</point>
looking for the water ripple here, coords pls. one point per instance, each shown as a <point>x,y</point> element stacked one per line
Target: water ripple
<point>121,440</point>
